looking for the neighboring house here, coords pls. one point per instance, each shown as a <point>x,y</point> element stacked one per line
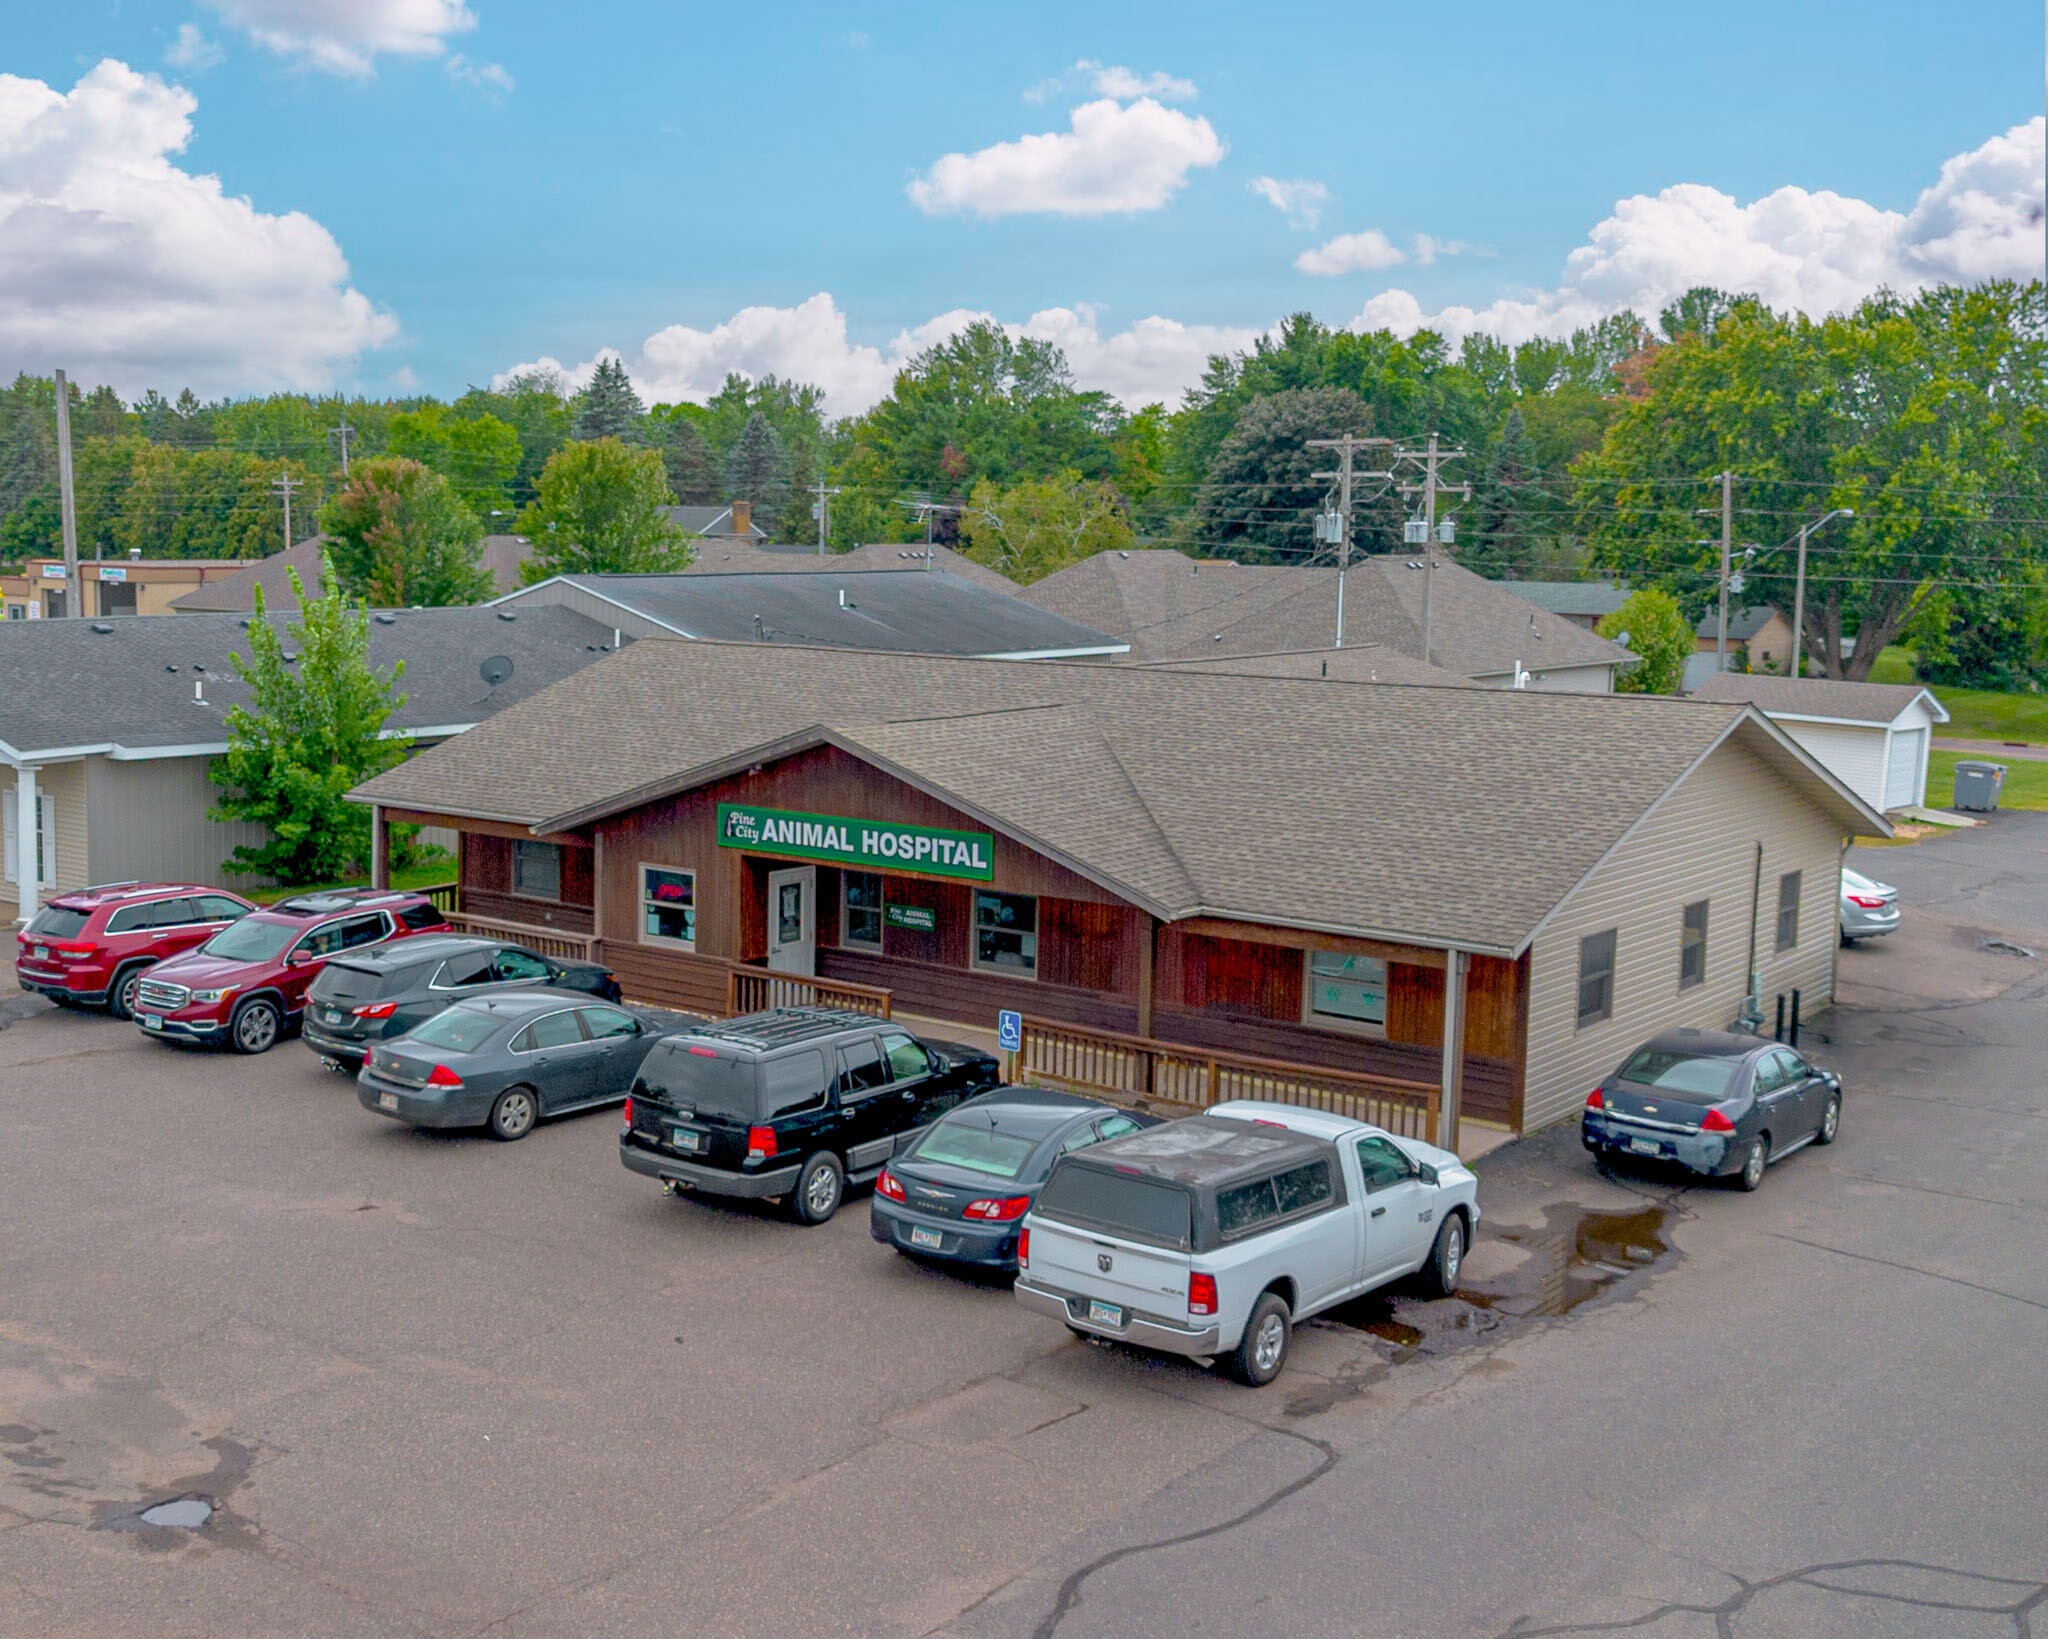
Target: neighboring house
<point>108,728</point>
<point>1759,635</point>
<point>123,586</point>
<point>736,557</point>
<point>1486,895</point>
<point>1173,607</point>
<point>503,556</point>
<point>731,522</point>
<point>1873,737</point>
<point>919,612</point>
<point>1585,603</point>
<point>1367,663</point>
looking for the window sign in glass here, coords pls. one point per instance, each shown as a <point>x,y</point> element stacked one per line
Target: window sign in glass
<point>1347,987</point>
<point>789,913</point>
<point>862,922</point>
<point>668,906</point>
<point>1006,932</point>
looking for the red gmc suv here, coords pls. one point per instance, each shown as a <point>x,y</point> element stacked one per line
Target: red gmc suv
<point>247,984</point>
<point>89,948</point>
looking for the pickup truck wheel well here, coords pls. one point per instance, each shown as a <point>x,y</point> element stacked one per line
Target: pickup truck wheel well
<point>1282,1288</point>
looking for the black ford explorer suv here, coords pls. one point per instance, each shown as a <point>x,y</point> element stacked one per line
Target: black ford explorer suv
<point>796,1102</point>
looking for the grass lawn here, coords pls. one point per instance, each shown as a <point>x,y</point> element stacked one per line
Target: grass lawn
<point>421,876</point>
<point>2026,783</point>
<point>1975,714</point>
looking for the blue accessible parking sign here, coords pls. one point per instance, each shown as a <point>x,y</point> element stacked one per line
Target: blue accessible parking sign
<point>1009,1031</point>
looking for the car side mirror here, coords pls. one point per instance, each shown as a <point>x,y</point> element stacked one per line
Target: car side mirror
<point>934,1065</point>
<point>298,958</point>
<point>1426,1172</point>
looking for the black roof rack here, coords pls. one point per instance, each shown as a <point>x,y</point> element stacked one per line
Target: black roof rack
<point>326,901</point>
<point>782,1026</point>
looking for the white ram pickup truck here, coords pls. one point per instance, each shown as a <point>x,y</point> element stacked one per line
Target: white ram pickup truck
<point>1212,1236</point>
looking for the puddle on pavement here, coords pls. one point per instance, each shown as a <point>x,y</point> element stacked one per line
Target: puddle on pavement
<point>186,1513</point>
<point>1577,1255</point>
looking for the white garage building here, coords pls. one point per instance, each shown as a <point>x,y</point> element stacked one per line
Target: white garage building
<point>1873,737</point>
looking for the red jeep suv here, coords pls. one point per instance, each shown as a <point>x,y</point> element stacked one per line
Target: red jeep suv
<point>90,947</point>
<point>247,983</point>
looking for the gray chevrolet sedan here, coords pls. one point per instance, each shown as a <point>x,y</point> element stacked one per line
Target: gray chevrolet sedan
<point>507,1060</point>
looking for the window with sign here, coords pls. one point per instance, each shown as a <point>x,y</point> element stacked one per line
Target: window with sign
<point>1006,933</point>
<point>668,907</point>
<point>1347,991</point>
<point>861,923</point>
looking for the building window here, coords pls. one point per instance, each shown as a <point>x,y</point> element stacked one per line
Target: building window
<point>536,870</point>
<point>1596,977</point>
<point>1692,946</point>
<point>1347,991</point>
<point>1006,932</point>
<point>860,921</point>
<point>668,907</point>
<point>1788,910</point>
<point>46,839</point>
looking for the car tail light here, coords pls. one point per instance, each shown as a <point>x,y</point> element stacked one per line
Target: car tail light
<point>998,1211</point>
<point>1201,1294</point>
<point>887,1187</point>
<point>760,1141</point>
<point>1715,1122</point>
<point>442,1076</point>
<point>375,1010</point>
<point>1866,902</point>
<point>629,1109</point>
<point>1594,1100</point>
<point>1024,1246</point>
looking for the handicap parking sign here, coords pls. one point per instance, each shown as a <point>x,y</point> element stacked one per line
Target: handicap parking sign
<point>1009,1031</point>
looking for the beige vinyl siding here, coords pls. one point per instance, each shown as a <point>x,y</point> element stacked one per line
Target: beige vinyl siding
<point>65,784</point>
<point>592,607</point>
<point>1700,843</point>
<point>149,822</point>
<point>1853,753</point>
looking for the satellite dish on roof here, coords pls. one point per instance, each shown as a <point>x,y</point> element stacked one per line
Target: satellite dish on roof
<point>495,670</point>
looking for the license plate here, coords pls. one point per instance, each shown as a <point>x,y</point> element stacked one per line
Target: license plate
<point>332,1015</point>
<point>1645,1146</point>
<point>1105,1314</point>
<point>930,1239</point>
<point>42,953</point>
<point>685,1139</point>
<point>150,1021</point>
<point>387,1101</point>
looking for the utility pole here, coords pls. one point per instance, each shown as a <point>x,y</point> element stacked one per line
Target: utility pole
<point>1727,546</point>
<point>74,590</point>
<point>1431,460</point>
<point>821,510</point>
<point>344,432</point>
<point>1338,531</point>
<point>283,484</point>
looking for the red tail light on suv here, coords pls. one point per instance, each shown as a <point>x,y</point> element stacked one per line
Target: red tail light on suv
<point>91,947</point>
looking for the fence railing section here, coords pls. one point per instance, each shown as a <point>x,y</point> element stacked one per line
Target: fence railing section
<point>570,947</point>
<point>753,989</point>
<point>443,894</point>
<point>1137,1069</point>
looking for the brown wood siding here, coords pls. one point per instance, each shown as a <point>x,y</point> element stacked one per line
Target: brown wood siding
<point>578,878</point>
<point>1244,980</point>
<point>1088,946</point>
<point>537,913</point>
<point>1415,1005</point>
<point>972,996</point>
<point>667,978</point>
<point>486,863</point>
<point>952,908</point>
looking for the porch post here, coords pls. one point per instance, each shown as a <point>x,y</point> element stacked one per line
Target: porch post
<point>1147,955</point>
<point>1456,963</point>
<point>380,848</point>
<point>28,829</point>
<point>597,929</point>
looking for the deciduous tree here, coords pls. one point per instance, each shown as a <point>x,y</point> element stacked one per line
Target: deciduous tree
<point>1655,628</point>
<point>399,535</point>
<point>602,511</point>
<point>1041,525</point>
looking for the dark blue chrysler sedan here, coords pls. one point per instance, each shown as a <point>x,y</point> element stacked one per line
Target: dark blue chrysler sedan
<point>958,1192</point>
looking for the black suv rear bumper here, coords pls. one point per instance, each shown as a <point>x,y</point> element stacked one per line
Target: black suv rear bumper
<point>707,1180</point>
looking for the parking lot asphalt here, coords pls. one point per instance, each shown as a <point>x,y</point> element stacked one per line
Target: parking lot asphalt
<point>441,1386</point>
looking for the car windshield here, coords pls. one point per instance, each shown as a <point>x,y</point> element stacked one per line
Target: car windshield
<point>251,940</point>
<point>696,1076</point>
<point>1138,1209</point>
<point>1681,1075</point>
<point>459,1030</point>
<point>969,1141</point>
<point>58,922</point>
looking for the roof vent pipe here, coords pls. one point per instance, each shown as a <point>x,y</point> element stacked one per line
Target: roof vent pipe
<point>135,554</point>
<point>199,689</point>
<point>615,637</point>
<point>842,597</point>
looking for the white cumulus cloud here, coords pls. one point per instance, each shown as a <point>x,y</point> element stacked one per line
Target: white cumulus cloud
<point>121,267</point>
<point>1114,157</point>
<point>1352,253</point>
<point>192,49</point>
<point>347,36</point>
<point>1127,83</point>
<point>1300,201</point>
<point>1817,252</point>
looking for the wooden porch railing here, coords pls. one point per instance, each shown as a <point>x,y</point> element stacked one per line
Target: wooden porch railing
<point>1139,1070</point>
<point>442,894</point>
<point>755,989</point>
<point>558,942</point>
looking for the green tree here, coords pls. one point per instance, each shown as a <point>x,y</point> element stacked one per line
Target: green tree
<point>1261,496</point>
<point>477,454</point>
<point>688,458</point>
<point>532,404</point>
<point>609,408</point>
<point>1657,630</point>
<point>399,535</point>
<point>1508,505</point>
<point>1044,524</point>
<point>208,503</point>
<point>312,730</point>
<point>101,414</point>
<point>601,512</point>
<point>757,471</point>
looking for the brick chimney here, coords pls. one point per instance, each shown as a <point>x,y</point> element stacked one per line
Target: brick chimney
<point>742,517</point>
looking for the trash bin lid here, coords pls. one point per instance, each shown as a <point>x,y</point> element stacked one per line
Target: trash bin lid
<point>1980,768</point>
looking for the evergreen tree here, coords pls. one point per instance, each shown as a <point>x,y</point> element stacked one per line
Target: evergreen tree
<point>1499,541</point>
<point>401,536</point>
<point>690,461</point>
<point>609,408</point>
<point>1262,494</point>
<point>758,471</point>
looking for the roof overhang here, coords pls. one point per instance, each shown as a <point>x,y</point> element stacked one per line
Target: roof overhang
<point>576,583</point>
<point>116,751</point>
<point>1934,707</point>
<point>1094,653</point>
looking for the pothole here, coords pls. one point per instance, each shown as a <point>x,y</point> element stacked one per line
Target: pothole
<point>2009,947</point>
<point>183,1513</point>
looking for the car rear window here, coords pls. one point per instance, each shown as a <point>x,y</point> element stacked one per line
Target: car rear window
<point>793,1082</point>
<point>1136,1209</point>
<point>712,1081</point>
<point>972,1143</point>
<point>1682,1076</point>
<point>458,1030</point>
<point>251,940</point>
<point>339,982</point>
<point>58,922</point>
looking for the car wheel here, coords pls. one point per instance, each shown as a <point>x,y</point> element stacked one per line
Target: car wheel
<point>1830,1121</point>
<point>1446,1258</point>
<point>1262,1351</point>
<point>255,1026</point>
<point>513,1113</point>
<point>121,993</point>
<point>1753,1163</point>
<point>819,1189</point>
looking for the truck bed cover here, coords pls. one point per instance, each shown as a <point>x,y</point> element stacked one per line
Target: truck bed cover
<point>1204,1151</point>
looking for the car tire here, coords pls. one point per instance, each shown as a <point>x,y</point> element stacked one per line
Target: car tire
<point>513,1114</point>
<point>820,1187</point>
<point>1830,1127</point>
<point>1754,1160</point>
<point>255,1026</point>
<point>1446,1258</point>
<point>121,993</point>
<point>1262,1351</point>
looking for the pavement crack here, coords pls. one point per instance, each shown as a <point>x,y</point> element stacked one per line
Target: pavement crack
<point>1911,1269</point>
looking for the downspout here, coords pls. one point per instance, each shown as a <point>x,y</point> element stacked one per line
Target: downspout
<point>1752,1014</point>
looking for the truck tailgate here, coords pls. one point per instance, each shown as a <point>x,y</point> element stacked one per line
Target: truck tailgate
<point>1147,1279</point>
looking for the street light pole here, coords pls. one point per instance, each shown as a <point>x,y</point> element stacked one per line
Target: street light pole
<point>1799,589</point>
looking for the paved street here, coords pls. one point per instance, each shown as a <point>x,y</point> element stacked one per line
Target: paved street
<point>438,1386</point>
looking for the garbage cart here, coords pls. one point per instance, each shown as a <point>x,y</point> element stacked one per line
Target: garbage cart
<point>1978,785</point>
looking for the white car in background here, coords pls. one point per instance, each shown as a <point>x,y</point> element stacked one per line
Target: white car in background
<point>1868,908</point>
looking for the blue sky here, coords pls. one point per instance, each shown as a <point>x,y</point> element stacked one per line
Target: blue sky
<point>533,188</point>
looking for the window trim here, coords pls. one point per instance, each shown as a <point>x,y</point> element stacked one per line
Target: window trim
<point>518,892</point>
<point>660,941</point>
<point>526,1029</point>
<point>1798,880</point>
<point>858,1095</point>
<point>1606,1012</point>
<point>846,909</point>
<point>1363,1028</point>
<point>974,961</point>
<point>1687,944</point>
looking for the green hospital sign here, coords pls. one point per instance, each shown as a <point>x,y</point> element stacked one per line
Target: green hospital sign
<point>864,844</point>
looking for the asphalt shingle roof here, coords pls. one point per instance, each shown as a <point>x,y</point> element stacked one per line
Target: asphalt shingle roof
<point>1592,598</point>
<point>502,556</point>
<point>1817,696</point>
<point>1437,815</point>
<point>732,556</point>
<point>64,683</point>
<point>1743,624</point>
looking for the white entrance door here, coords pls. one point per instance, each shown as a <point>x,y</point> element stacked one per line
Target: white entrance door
<point>793,920</point>
<point>1902,779</point>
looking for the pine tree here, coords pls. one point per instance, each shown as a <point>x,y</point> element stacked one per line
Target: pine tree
<point>691,462</point>
<point>1501,541</point>
<point>609,408</point>
<point>758,471</point>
